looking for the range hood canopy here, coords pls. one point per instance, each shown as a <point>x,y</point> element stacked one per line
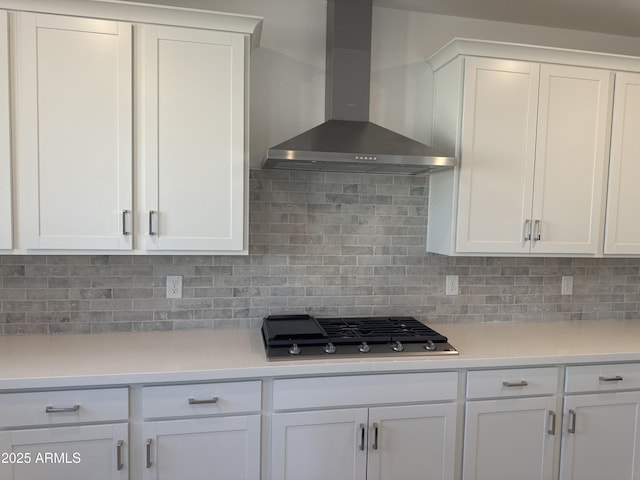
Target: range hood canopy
<point>348,142</point>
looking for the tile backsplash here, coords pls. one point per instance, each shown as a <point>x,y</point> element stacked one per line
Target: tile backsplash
<point>322,243</point>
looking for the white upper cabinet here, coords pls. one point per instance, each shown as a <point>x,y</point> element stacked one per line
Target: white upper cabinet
<point>194,139</point>
<point>74,132</point>
<point>6,231</point>
<point>622,231</point>
<point>95,122</point>
<point>532,140</point>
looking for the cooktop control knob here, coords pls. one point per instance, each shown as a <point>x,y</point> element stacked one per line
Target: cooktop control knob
<point>294,349</point>
<point>329,348</point>
<point>430,346</point>
<point>364,347</point>
<point>397,346</point>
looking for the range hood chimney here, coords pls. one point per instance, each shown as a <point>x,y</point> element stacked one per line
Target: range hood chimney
<point>347,141</point>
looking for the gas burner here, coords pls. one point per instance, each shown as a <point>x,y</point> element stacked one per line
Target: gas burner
<point>303,336</point>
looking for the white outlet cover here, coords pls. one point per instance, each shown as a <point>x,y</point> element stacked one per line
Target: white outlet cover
<point>567,285</point>
<point>451,285</point>
<point>174,286</point>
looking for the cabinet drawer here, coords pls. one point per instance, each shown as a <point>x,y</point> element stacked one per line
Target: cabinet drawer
<point>601,378</point>
<point>63,407</point>
<point>201,399</point>
<point>303,393</point>
<point>512,382</point>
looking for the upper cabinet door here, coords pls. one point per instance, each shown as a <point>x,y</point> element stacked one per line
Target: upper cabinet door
<point>497,155</point>
<point>74,109</point>
<point>5,145</point>
<point>194,139</point>
<point>622,231</point>
<point>571,159</point>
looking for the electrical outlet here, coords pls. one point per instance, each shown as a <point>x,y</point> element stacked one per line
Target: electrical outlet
<point>174,286</point>
<point>567,285</point>
<point>451,285</point>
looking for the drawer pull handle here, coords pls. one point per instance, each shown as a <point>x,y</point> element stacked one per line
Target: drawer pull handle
<point>152,232</point>
<point>617,378</point>
<point>552,423</point>
<point>572,422</point>
<point>125,213</point>
<point>195,401</point>
<point>148,453</point>
<point>119,464</point>
<point>361,446</point>
<point>375,436</point>
<point>515,384</point>
<point>51,409</point>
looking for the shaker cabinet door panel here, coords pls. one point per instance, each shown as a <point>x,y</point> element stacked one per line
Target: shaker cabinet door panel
<point>510,438</point>
<point>622,230</point>
<point>96,452</point>
<point>74,131</point>
<point>601,437</point>
<point>6,230</point>
<point>571,159</point>
<point>498,153</point>
<point>318,445</point>
<point>194,143</point>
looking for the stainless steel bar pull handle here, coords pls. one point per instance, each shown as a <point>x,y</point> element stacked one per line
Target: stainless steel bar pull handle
<point>537,235</point>
<point>374,445</point>
<point>521,383</point>
<point>152,213</point>
<point>552,423</point>
<point>119,464</point>
<point>149,453</point>
<point>526,231</point>
<point>125,214</point>
<point>51,409</point>
<point>194,401</point>
<point>617,378</point>
<point>572,422</point>
<point>362,432</point>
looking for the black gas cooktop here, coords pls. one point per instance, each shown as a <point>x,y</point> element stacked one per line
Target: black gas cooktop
<point>303,336</point>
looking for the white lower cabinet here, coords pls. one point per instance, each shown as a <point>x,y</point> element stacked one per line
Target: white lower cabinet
<point>64,435</point>
<point>601,432</point>
<point>220,441</point>
<point>514,434</point>
<point>407,441</point>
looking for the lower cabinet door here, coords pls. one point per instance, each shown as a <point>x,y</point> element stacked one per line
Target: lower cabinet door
<point>600,438</point>
<point>414,442</point>
<point>510,439</point>
<point>319,445</point>
<point>95,452</point>
<point>222,448</point>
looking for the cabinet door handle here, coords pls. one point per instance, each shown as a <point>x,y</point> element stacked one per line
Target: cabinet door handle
<point>362,431</point>
<point>526,231</point>
<point>125,214</point>
<point>521,383</point>
<point>374,445</point>
<point>119,464</point>
<point>537,235</point>
<point>148,453</point>
<point>572,422</point>
<point>617,378</point>
<point>51,409</point>
<point>152,213</point>
<point>195,401</point>
<point>552,423</point>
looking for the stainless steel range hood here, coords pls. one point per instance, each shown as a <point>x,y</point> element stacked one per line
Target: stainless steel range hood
<point>348,142</point>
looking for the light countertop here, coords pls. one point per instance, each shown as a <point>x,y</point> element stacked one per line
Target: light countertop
<point>47,361</point>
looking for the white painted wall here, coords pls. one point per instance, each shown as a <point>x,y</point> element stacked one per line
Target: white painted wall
<point>287,71</point>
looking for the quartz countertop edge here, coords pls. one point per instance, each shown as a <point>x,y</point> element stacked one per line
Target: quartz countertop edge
<point>69,361</point>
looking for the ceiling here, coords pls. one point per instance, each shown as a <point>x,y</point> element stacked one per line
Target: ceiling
<point>619,17</point>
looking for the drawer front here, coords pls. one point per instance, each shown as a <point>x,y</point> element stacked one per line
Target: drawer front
<point>603,378</point>
<point>201,399</point>
<point>304,393</point>
<point>512,382</point>
<point>63,407</point>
